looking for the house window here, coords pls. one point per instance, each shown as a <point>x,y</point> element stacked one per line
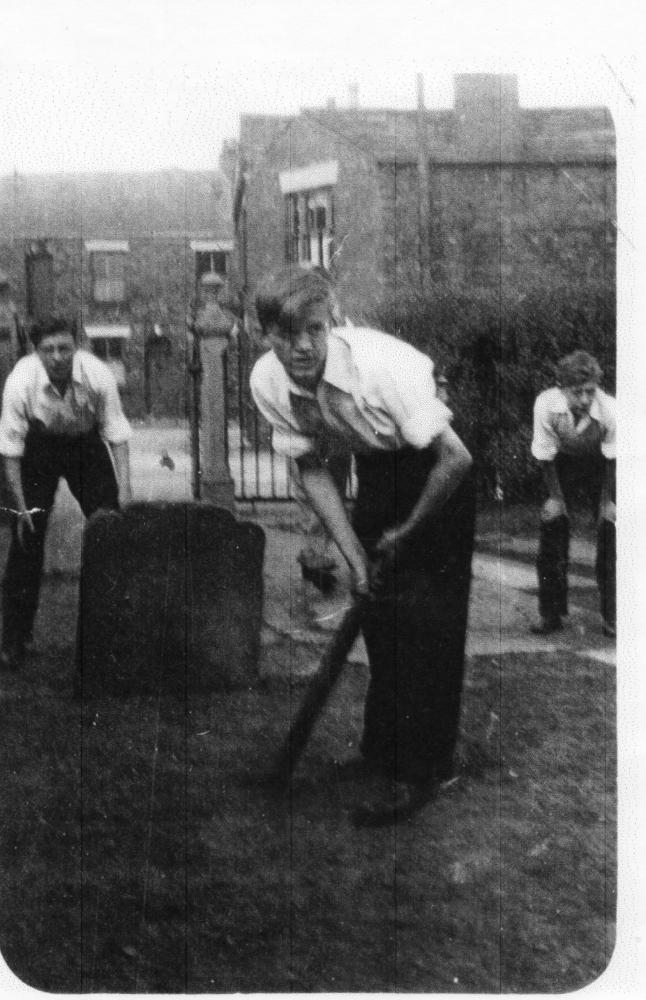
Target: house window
<point>309,213</point>
<point>108,270</point>
<point>108,277</point>
<point>108,348</point>
<point>211,257</point>
<point>107,342</point>
<point>309,224</point>
<point>210,262</point>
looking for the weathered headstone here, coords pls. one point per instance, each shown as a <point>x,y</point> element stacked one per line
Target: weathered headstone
<point>170,600</point>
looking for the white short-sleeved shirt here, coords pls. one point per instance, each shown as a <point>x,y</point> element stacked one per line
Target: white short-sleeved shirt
<point>555,429</point>
<point>90,401</point>
<point>377,393</point>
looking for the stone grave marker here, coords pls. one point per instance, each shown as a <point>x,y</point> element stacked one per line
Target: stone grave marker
<point>170,600</point>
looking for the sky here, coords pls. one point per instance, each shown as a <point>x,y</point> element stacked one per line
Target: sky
<point>147,84</point>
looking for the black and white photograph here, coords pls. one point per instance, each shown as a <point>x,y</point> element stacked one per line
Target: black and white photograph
<point>321,648</point>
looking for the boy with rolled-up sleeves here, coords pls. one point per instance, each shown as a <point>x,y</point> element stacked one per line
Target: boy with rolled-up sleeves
<point>61,417</point>
<point>328,390</point>
<point>574,443</point>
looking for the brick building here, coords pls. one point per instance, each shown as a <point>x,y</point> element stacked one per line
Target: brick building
<point>484,195</point>
<point>122,253</point>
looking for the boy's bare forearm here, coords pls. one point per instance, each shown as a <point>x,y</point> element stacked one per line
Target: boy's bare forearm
<point>609,480</point>
<point>121,456</point>
<point>551,481</point>
<point>454,462</point>
<point>327,503</point>
<point>13,477</point>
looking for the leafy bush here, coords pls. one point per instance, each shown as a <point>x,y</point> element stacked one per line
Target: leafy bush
<point>498,352</point>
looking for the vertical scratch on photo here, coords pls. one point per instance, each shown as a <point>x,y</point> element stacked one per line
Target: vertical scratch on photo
<point>153,776</point>
<point>95,939</point>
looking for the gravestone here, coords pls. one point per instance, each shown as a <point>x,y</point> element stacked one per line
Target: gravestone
<point>170,600</point>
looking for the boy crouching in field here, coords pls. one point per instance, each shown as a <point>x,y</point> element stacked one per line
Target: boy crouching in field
<point>337,390</point>
<point>574,442</point>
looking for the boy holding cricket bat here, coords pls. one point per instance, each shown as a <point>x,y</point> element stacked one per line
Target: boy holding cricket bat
<point>331,390</point>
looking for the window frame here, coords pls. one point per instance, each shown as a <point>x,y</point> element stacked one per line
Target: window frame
<point>308,242</point>
<point>211,247</point>
<point>106,258</point>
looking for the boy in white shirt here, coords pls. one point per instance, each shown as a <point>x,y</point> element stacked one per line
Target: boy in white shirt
<point>61,413</point>
<point>329,390</point>
<point>574,442</point>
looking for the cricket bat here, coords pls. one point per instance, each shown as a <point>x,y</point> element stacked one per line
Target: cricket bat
<point>317,694</point>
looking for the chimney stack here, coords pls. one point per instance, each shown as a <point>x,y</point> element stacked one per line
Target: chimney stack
<point>487,111</point>
<point>353,91</point>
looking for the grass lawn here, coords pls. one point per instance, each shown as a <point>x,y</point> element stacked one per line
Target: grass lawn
<point>139,850</point>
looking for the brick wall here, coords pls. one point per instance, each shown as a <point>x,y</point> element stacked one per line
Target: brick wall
<point>357,209</point>
<point>521,225</point>
<point>517,196</point>
<point>158,213</point>
<point>159,284</point>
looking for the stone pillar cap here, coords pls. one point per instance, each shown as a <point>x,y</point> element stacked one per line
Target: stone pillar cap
<point>211,280</point>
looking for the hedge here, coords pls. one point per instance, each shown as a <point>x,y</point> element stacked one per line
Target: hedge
<point>498,352</point>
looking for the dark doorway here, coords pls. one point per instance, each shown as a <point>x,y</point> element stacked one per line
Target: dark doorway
<point>39,268</point>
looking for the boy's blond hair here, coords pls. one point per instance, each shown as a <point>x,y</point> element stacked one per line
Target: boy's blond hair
<point>283,297</point>
<point>577,368</point>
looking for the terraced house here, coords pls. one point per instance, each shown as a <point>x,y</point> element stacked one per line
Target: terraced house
<point>122,253</point>
<point>486,194</point>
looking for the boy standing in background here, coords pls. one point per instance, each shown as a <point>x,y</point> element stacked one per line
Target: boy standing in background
<point>574,443</point>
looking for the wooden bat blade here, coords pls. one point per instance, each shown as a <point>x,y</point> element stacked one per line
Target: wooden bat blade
<point>318,692</point>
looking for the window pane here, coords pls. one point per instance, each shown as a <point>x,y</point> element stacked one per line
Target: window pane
<point>108,274</point>
<point>115,348</point>
<point>210,262</point>
<point>219,262</point>
<point>99,266</point>
<point>100,347</point>
<point>308,224</point>
<point>202,264</point>
<point>115,266</point>
<point>106,290</point>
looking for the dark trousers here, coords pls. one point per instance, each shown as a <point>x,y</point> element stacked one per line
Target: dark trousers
<point>580,480</point>
<point>415,629</point>
<point>85,464</point>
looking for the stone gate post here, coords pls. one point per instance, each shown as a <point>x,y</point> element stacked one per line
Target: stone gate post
<point>213,327</point>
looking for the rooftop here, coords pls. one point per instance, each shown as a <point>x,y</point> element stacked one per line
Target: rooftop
<point>115,205</point>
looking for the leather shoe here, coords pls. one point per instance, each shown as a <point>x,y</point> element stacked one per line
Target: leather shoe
<point>399,801</point>
<point>546,626</point>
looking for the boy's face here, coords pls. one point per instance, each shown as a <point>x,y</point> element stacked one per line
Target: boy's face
<point>302,349</point>
<point>579,397</point>
<point>56,351</point>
